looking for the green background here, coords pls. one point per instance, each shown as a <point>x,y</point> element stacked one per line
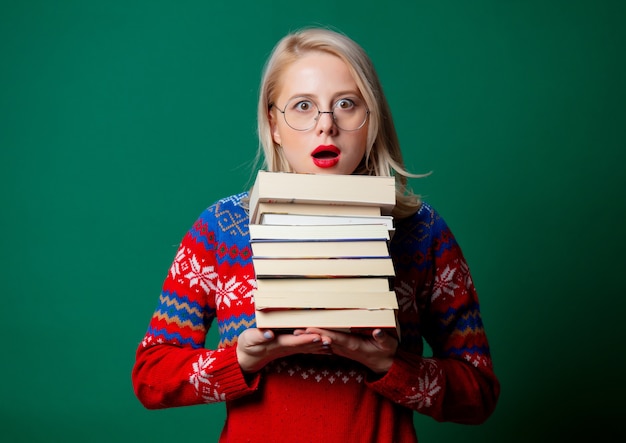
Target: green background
<point>120,121</point>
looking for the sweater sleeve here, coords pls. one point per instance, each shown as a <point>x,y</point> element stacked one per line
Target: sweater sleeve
<point>439,302</point>
<point>172,366</point>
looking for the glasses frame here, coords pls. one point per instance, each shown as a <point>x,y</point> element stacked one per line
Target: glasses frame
<point>319,113</point>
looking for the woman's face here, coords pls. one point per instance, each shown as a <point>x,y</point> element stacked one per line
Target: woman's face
<point>322,80</point>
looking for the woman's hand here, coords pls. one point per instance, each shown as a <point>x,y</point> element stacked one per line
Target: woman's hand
<point>376,351</point>
<point>258,347</point>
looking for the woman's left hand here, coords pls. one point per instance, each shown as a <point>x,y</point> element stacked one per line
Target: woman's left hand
<point>376,351</point>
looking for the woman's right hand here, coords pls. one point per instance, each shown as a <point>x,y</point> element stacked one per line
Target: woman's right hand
<point>258,347</point>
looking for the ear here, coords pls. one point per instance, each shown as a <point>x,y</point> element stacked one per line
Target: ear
<point>274,128</point>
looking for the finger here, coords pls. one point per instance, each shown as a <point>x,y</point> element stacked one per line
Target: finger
<point>292,340</point>
<point>325,336</point>
<point>324,332</point>
<point>379,335</point>
<point>383,339</point>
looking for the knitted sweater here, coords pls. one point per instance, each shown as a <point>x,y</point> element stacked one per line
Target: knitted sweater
<point>313,398</point>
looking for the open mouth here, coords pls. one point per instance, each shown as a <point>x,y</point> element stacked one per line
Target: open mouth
<point>323,155</point>
<point>324,152</point>
<point>326,156</point>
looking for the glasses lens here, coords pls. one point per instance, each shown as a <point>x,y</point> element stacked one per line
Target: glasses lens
<point>302,114</point>
<point>349,114</point>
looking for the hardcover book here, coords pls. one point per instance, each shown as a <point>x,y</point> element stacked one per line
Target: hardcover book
<point>272,300</point>
<point>322,267</point>
<point>357,320</point>
<point>325,220</point>
<point>315,209</point>
<point>309,232</point>
<point>318,285</point>
<point>348,190</point>
<point>319,248</point>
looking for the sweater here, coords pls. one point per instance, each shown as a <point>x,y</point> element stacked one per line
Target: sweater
<point>313,398</point>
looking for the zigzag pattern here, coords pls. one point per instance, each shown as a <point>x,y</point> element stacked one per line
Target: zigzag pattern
<point>172,337</point>
<point>233,326</point>
<point>179,310</point>
<point>469,320</point>
<point>453,312</point>
<point>177,321</point>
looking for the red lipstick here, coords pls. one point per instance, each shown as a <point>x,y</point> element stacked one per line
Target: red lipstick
<point>326,156</point>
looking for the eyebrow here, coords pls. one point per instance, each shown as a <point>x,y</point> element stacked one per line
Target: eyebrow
<point>337,95</point>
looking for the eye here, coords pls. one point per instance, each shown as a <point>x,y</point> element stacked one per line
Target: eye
<point>345,104</point>
<point>303,106</point>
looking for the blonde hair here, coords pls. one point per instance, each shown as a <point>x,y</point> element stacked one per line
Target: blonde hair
<point>382,156</point>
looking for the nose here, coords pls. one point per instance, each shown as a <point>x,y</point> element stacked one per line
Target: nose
<point>326,122</point>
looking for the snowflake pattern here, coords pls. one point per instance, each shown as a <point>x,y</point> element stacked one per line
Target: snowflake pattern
<point>250,293</point>
<point>200,275</point>
<point>428,386</point>
<point>201,379</point>
<point>225,292</point>
<point>406,300</point>
<point>444,284</point>
<point>464,270</point>
<point>179,264</point>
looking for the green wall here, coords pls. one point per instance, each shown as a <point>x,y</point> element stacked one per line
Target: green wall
<point>121,120</point>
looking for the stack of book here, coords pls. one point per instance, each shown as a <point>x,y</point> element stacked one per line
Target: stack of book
<point>320,251</point>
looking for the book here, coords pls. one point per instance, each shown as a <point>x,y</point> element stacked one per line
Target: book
<point>319,248</point>
<point>350,319</point>
<point>315,209</point>
<point>358,190</point>
<point>335,285</point>
<point>311,219</point>
<point>268,300</point>
<point>322,267</point>
<point>330,232</point>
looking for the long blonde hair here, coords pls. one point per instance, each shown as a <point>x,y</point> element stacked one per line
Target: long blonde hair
<point>382,156</point>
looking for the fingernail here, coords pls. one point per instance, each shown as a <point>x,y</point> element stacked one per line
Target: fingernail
<point>316,339</point>
<point>326,343</point>
<point>267,334</point>
<point>379,333</point>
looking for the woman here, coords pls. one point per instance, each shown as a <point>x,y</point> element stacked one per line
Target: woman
<point>321,110</point>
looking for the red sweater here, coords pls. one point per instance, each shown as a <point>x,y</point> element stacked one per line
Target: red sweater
<point>317,398</point>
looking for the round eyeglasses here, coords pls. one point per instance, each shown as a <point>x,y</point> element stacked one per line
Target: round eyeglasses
<point>302,113</point>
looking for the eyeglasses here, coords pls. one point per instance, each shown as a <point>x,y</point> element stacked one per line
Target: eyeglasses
<point>302,113</point>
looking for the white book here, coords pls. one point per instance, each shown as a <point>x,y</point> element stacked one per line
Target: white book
<point>315,209</point>
<point>321,285</point>
<point>303,219</point>
<point>327,318</point>
<point>264,300</point>
<point>328,232</point>
<point>319,248</point>
<point>323,267</point>
<point>286,187</point>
